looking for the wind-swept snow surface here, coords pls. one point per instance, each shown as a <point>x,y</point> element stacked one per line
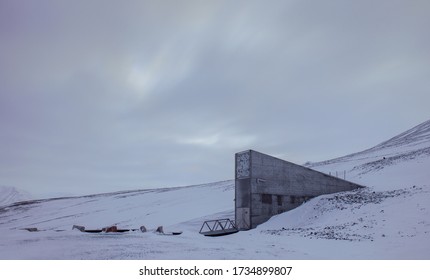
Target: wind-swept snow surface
<point>9,195</point>
<point>401,161</point>
<point>390,219</point>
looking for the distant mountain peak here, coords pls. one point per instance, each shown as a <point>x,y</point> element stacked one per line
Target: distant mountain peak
<point>9,195</point>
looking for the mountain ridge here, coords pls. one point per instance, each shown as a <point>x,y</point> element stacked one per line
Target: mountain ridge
<point>408,145</point>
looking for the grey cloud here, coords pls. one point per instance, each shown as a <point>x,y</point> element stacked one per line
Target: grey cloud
<point>102,95</point>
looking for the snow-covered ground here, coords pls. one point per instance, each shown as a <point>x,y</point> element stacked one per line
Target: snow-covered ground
<point>390,219</point>
<point>9,195</point>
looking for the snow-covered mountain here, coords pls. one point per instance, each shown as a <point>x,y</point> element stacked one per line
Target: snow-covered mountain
<point>390,219</point>
<point>403,159</point>
<point>408,145</point>
<point>9,195</point>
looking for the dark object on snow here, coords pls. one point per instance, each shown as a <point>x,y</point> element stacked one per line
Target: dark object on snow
<point>160,230</point>
<point>93,230</point>
<point>218,227</point>
<point>82,229</point>
<point>107,229</point>
<point>116,229</point>
<point>33,229</point>
<point>110,229</point>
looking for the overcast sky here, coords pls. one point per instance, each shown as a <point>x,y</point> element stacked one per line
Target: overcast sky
<point>100,96</point>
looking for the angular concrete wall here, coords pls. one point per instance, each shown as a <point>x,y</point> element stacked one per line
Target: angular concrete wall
<point>266,186</point>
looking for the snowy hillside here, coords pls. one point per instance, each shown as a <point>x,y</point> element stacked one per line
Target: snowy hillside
<point>9,195</point>
<point>402,160</point>
<point>392,213</point>
<point>390,219</point>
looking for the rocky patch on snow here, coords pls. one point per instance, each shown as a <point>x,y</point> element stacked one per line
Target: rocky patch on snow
<point>356,223</point>
<point>380,164</point>
<point>361,197</point>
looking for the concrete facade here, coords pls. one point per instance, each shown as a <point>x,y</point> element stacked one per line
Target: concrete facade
<point>266,186</point>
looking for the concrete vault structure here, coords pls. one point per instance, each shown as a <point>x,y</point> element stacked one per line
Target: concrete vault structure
<point>266,186</point>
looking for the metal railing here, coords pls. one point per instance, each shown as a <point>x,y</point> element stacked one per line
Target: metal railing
<point>218,227</point>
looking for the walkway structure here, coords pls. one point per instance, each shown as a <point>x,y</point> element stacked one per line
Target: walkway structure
<point>218,227</point>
